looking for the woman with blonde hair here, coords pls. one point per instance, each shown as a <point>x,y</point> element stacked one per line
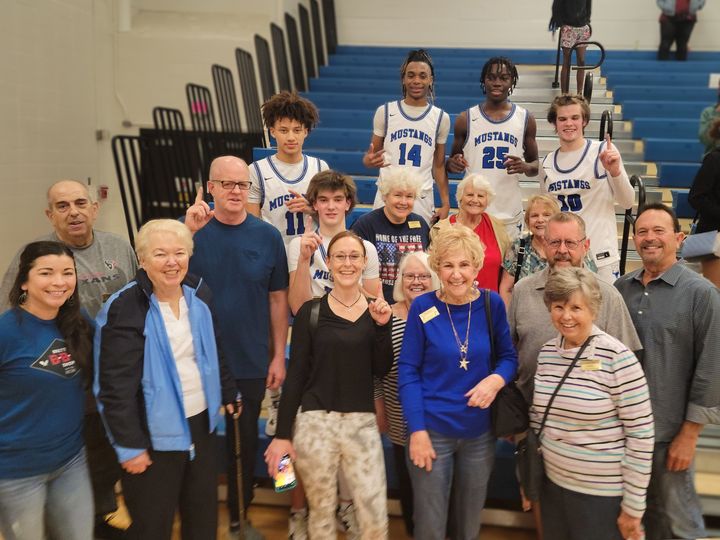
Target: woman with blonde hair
<point>448,380</point>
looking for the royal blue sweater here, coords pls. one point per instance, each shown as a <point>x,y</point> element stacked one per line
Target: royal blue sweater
<point>431,382</point>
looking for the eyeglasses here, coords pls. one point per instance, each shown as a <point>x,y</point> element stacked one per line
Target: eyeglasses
<point>570,244</point>
<point>420,277</point>
<point>229,185</point>
<point>342,257</point>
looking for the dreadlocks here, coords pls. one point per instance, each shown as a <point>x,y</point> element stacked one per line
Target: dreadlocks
<point>500,62</point>
<point>419,55</point>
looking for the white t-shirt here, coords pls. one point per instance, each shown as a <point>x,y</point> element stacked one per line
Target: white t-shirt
<point>319,274</point>
<point>181,343</point>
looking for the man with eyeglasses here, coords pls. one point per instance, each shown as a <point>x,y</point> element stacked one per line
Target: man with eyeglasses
<point>530,324</point>
<point>105,262</point>
<point>243,260</point>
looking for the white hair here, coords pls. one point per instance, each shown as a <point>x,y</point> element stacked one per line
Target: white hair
<point>399,178</point>
<point>478,183</point>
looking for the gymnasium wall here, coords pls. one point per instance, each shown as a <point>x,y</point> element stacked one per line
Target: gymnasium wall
<point>70,79</point>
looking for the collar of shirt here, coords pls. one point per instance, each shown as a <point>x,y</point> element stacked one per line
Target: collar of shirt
<point>669,276</point>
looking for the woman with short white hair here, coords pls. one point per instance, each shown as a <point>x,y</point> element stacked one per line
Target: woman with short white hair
<point>158,372</point>
<point>394,229</point>
<point>474,194</point>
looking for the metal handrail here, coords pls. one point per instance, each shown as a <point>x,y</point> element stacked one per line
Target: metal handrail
<point>606,122</point>
<point>588,87</point>
<point>555,83</point>
<point>636,181</point>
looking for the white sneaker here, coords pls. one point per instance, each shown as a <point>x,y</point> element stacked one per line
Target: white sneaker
<point>298,525</point>
<point>272,412</point>
<point>347,522</point>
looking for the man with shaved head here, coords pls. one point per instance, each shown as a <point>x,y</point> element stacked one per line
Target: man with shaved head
<point>105,262</point>
<point>242,259</point>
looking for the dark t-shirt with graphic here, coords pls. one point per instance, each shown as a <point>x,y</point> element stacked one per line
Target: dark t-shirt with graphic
<point>42,401</point>
<point>392,241</point>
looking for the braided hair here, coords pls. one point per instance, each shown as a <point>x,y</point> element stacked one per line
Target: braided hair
<point>500,61</point>
<point>418,55</point>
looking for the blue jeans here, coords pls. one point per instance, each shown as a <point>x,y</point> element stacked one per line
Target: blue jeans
<point>61,500</point>
<point>463,464</point>
<point>673,506</point>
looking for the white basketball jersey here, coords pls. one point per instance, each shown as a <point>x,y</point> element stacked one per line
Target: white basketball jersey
<point>583,188</point>
<point>486,146</point>
<point>275,190</point>
<point>410,141</point>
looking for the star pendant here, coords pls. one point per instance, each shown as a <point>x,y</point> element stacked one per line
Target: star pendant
<point>464,364</point>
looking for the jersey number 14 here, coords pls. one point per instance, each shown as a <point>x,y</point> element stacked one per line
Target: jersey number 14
<point>412,156</point>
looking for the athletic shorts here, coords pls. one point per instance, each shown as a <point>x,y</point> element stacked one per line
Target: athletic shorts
<point>570,35</point>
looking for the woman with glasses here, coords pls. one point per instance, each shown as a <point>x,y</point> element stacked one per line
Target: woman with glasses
<point>416,278</point>
<point>339,343</point>
<point>448,383</point>
<point>474,194</point>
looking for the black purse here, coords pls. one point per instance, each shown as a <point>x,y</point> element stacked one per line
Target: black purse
<point>509,410</point>
<point>528,452</point>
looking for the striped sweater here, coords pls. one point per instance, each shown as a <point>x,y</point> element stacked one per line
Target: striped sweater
<point>598,438</point>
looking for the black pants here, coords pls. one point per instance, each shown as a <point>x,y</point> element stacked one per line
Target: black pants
<point>102,464</point>
<point>678,31</point>
<point>176,481</point>
<point>253,392</point>
<point>570,515</point>
<point>406,492</point>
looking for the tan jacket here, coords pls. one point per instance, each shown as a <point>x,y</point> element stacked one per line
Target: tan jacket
<point>501,235</point>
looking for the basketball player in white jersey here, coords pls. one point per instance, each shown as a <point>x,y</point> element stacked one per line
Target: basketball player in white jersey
<point>412,132</point>
<point>587,178</point>
<point>491,137</point>
<point>279,181</point>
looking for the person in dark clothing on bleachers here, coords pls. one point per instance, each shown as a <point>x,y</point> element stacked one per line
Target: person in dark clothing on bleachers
<point>708,118</point>
<point>705,198</point>
<point>676,24</point>
<point>572,18</point>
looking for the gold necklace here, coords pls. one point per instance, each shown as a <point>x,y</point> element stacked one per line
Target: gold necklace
<point>462,346</point>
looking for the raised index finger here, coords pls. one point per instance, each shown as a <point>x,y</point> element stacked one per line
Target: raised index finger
<point>309,223</point>
<point>199,196</point>
<point>608,141</point>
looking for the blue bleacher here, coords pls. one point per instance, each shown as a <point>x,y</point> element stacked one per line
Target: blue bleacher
<point>677,174</point>
<point>681,205</point>
<point>681,128</point>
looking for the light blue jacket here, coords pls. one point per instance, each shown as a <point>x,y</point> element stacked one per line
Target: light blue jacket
<point>133,357</point>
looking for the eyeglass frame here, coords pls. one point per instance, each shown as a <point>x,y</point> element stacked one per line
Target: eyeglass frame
<point>422,278</point>
<point>234,184</point>
<point>570,244</point>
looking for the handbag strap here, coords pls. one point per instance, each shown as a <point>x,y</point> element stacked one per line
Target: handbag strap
<point>521,256</point>
<point>491,332</point>
<point>557,388</point>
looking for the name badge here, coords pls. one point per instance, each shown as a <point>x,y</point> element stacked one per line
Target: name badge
<point>591,364</point>
<point>429,314</point>
<point>414,225</point>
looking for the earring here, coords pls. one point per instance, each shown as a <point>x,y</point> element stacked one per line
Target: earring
<point>22,298</point>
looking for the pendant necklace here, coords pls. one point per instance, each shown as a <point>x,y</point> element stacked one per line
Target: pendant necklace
<point>347,306</point>
<point>462,346</point>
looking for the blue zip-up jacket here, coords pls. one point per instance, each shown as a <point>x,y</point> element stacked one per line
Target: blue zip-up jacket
<point>137,385</point>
